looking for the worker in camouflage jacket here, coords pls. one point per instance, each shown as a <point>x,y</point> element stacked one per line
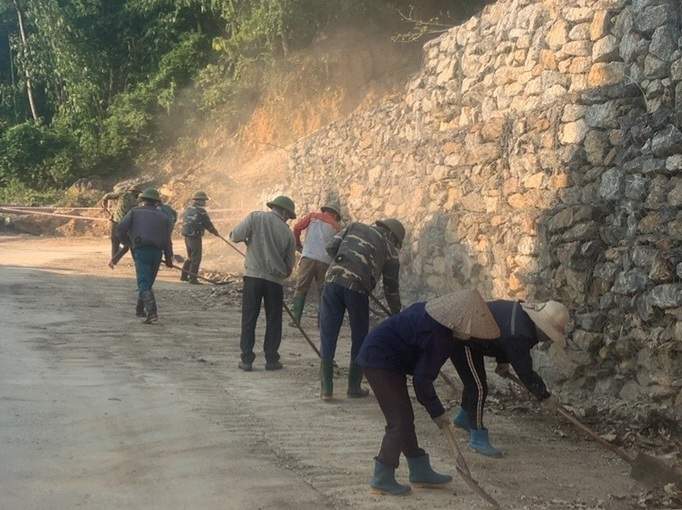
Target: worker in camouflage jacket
<point>195,221</point>
<point>125,200</point>
<point>320,228</point>
<point>522,326</point>
<point>361,255</point>
<point>147,231</point>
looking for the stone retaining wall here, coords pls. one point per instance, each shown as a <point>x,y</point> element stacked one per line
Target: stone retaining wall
<point>537,154</point>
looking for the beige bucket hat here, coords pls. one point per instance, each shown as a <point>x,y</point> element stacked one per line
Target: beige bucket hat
<point>465,313</point>
<point>551,318</point>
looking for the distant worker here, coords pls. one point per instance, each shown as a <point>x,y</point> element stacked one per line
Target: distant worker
<point>320,228</point>
<point>522,326</point>
<point>418,342</point>
<point>361,255</point>
<point>195,221</point>
<point>270,256</point>
<point>148,231</point>
<point>172,218</point>
<point>125,199</point>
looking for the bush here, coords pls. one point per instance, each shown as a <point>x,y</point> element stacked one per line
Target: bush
<point>36,155</point>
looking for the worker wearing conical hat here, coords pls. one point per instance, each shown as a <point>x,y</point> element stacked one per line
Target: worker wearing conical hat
<point>522,326</point>
<point>417,341</point>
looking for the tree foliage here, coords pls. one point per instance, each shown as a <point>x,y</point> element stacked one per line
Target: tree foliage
<point>102,73</point>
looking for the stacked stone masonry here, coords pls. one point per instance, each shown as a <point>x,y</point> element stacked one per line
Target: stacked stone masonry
<point>537,154</point>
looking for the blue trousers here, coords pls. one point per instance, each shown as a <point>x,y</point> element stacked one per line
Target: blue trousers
<point>335,301</point>
<point>147,261</point>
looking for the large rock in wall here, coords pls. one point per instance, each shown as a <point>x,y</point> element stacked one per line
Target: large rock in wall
<point>537,154</point>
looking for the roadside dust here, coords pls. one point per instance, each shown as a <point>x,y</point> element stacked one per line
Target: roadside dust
<point>101,411</point>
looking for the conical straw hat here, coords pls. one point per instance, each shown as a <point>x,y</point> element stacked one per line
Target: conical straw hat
<point>465,313</point>
<point>551,318</point>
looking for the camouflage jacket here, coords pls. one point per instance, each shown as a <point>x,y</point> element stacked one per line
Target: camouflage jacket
<point>361,254</point>
<point>125,201</point>
<point>195,221</point>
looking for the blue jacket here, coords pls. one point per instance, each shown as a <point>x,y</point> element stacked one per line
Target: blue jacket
<point>411,343</point>
<point>518,337</point>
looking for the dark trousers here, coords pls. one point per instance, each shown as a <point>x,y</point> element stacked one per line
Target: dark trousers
<point>470,366</point>
<point>390,390</point>
<point>147,261</point>
<point>115,240</point>
<point>335,301</point>
<point>272,294</point>
<point>191,265</point>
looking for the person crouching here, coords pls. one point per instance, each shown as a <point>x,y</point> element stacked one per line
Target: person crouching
<point>417,341</point>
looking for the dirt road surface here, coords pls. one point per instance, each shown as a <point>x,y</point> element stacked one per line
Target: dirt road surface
<point>100,411</point>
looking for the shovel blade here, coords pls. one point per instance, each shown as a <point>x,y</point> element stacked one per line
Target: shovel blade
<point>654,472</point>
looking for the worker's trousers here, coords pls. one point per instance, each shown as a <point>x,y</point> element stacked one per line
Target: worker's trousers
<point>309,271</point>
<point>194,252</point>
<point>147,261</point>
<point>257,290</point>
<point>336,299</point>
<point>470,365</point>
<point>390,390</point>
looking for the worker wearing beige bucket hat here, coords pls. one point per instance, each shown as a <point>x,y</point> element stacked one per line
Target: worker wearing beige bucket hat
<point>417,341</point>
<point>522,326</point>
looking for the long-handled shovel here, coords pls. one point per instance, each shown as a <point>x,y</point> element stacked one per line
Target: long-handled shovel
<point>284,305</point>
<point>463,469</point>
<point>644,468</point>
<point>383,308</point>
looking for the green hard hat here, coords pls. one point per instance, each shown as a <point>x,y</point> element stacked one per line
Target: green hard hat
<point>150,194</point>
<point>200,195</point>
<point>394,227</point>
<point>285,203</point>
<point>332,208</point>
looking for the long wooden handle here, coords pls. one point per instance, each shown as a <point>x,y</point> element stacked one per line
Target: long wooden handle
<point>581,426</point>
<point>464,472</point>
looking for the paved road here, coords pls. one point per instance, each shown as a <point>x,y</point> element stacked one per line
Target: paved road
<point>99,411</point>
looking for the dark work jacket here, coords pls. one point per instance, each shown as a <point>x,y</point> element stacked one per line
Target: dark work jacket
<point>147,226</point>
<point>195,221</point>
<point>411,343</point>
<point>514,345</point>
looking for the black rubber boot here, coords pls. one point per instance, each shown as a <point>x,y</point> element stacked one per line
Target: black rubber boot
<point>355,389</point>
<point>149,307</point>
<point>139,308</point>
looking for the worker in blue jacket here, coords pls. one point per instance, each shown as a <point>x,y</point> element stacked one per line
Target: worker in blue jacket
<point>522,326</point>
<point>417,342</point>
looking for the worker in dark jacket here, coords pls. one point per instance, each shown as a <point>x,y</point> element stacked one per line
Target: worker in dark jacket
<point>522,326</point>
<point>361,254</point>
<point>195,221</point>
<point>418,342</point>
<point>148,232</point>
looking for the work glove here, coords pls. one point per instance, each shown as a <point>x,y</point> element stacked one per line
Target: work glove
<point>502,369</point>
<point>550,404</point>
<point>442,421</point>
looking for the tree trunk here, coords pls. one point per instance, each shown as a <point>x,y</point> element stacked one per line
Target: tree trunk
<point>11,72</point>
<point>24,44</point>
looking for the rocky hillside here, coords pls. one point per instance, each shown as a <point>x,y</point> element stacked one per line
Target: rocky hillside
<point>536,154</point>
